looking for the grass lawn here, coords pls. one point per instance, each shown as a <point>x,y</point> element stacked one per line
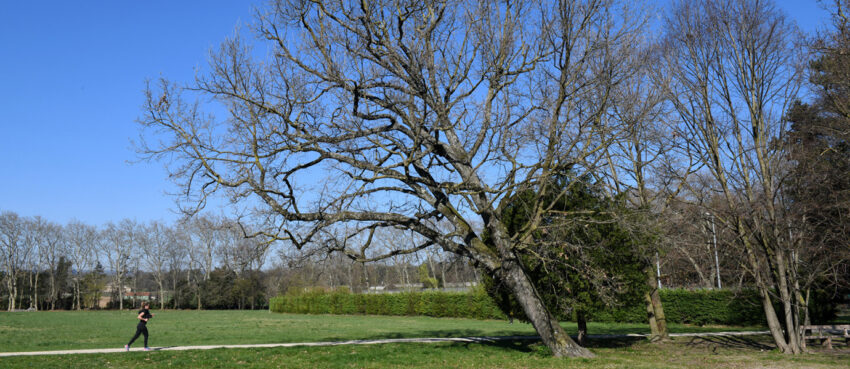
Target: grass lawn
<point>111,329</point>
<point>67,330</point>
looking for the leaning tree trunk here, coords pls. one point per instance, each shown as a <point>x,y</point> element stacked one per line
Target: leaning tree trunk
<point>791,319</point>
<point>655,310</point>
<point>544,322</point>
<point>773,323</point>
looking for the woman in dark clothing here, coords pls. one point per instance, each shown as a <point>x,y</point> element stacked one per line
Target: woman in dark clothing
<point>142,328</point>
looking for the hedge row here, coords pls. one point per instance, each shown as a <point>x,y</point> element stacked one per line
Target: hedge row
<point>680,306</point>
<point>699,307</point>
<point>475,305</point>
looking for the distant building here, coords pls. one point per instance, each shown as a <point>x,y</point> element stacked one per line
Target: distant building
<point>128,293</point>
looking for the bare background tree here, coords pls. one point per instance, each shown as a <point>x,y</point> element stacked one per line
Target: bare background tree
<point>12,238</point>
<point>82,239</point>
<point>156,243</point>
<point>734,71</point>
<point>119,244</point>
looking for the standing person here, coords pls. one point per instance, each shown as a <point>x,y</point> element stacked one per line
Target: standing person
<point>142,327</point>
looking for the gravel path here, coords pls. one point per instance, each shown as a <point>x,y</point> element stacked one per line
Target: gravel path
<point>366,342</point>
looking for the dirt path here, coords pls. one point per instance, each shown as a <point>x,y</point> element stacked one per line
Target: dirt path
<point>365,342</point>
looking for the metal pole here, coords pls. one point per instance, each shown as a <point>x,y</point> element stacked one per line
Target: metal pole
<point>716,257</point>
<point>658,269</point>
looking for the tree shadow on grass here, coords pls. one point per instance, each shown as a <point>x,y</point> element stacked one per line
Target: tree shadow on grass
<point>441,333</point>
<point>613,342</point>
<point>535,346</point>
<point>729,342</point>
<point>509,340</point>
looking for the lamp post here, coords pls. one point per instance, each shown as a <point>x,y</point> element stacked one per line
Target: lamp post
<point>716,257</point>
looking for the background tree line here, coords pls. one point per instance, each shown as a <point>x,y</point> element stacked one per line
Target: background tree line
<point>201,263</point>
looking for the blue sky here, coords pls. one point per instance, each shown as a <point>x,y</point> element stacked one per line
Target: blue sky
<point>71,81</point>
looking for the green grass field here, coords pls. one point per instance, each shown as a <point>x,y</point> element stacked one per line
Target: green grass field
<point>42,331</point>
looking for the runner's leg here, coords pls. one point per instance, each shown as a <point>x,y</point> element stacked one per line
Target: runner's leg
<point>138,332</point>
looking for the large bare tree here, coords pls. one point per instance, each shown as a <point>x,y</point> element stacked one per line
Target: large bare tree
<point>734,70</point>
<point>376,115</point>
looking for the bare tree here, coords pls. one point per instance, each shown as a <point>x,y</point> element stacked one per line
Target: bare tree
<point>12,243</point>
<point>204,234</point>
<point>82,239</point>
<point>156,241</point>
<point>118,244</point>
<point>734,70</point>
<point>638,159</point>
<point>30,261</point>
<point>179,256</point>
<point>403,114</point>
<point>48,238</point>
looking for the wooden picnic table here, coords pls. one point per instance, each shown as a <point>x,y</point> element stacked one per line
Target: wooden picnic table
<point>825,333</point>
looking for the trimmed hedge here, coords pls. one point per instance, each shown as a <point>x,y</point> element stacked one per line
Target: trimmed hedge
<point>475,305</point>
<point>699,307</point>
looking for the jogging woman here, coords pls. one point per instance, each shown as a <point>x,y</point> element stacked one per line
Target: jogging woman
<point>142,328</point>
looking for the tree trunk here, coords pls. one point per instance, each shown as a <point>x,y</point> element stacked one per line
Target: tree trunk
<point>582,327</point>
<point>120,294</point>
<point>791,319</point>
<point>773,323</point>
<point>199,289</point>
<point>79,296</point>
<point>13,293</point>
<point>655,310</point>
<point>34,302</point>
<point>52,292</point>
<point>13,290</point>
<point>543,321</point>
<point>161,299</point>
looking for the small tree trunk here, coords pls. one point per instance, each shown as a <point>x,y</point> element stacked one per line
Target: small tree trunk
<point>13,293</point>
<point>655,310</point>
<point>34,302</point>
<point>544,322</point>
<point>79,296</point>
<point>161,300</point>
<point>120,295</point>
<point>581,319</point>
<point>52,292</point>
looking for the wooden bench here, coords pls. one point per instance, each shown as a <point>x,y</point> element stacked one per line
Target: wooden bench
<point>825,333</point>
